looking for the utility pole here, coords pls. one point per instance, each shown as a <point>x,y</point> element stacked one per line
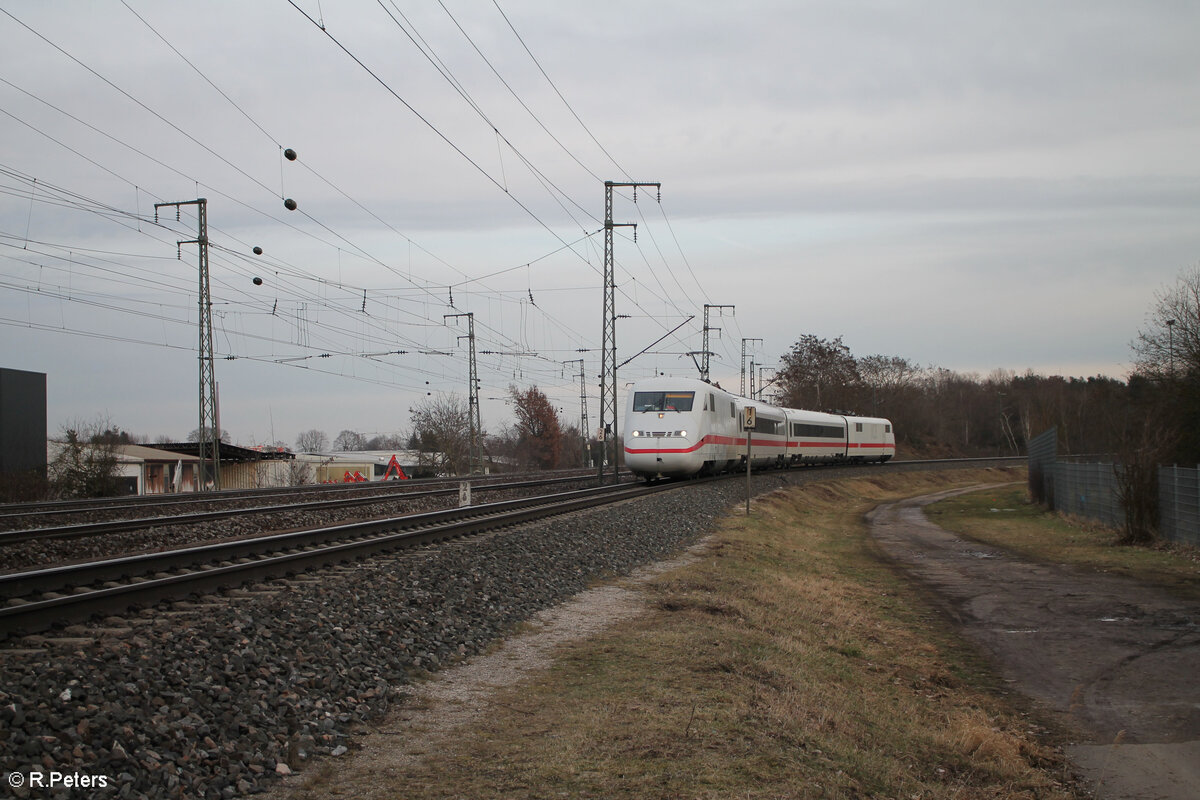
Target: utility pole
<point>476,427</point>
<point>210,434</point>
<point>583,415</point>
<point>704,346</point>
<point>742,391</point>
<point>1171,345</point>
<point>608,352</point>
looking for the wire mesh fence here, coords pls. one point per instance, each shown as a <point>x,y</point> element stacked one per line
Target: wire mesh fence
<point>1088,490</point>
<point>1091,490</point>
<point>1179,504</point>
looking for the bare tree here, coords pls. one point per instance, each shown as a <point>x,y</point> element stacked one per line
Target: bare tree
<point>817,374</point>
<point>194,436</point>
<point>503,444</point>
<point>1143,449</point>
<point>350,440</point>
<point>1170,343</point>
<point>312,441</point>
<point>299,473</point>
<point>884,380</point>
<point>386,441</point>
<point>441,428</point>
<point>574,453</point>
<point>86,462</point>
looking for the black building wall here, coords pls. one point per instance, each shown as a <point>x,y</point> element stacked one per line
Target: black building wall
<point>22,423</point>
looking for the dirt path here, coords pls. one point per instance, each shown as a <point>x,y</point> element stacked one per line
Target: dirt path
<point>1116,661</point>
<point>454,698</point>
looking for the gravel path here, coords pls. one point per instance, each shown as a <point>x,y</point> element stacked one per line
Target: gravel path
<point>1113,658</point>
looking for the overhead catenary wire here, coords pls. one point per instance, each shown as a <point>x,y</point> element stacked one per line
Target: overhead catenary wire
<point>309,285</point>
<point>437,131</point>
<point>263,130</point>
<point>240,111</point>
<point>140,152</point>
<point>74,200</point>
<point>559,93</point>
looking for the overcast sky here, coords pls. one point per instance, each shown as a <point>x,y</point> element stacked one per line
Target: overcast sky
<point>968,185</point>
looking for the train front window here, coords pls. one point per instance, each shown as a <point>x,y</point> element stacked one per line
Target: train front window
<point>663,401</point>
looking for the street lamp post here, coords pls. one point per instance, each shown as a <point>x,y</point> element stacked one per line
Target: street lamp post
<point>1171,345</point>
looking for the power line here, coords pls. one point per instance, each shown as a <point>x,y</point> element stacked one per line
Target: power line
<point>236,263</point>
<point>265,133</point>
<point>185,60</point>
<point>554,86</point>
<point>516,96</point>
<point>139,103</point>
<point>387,87</point>
<point>313,171</point>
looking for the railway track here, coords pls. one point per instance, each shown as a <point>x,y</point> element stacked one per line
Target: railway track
<point>65,513</point>
<point>81,529</point>
<point>34,599</point>
<point>37,599</point>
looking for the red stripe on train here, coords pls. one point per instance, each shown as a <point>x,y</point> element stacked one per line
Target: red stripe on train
<point>715,439</point>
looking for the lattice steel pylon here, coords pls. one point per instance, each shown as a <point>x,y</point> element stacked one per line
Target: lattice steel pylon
<point>705,352</point>
<point>583,415</point>
<point>742,391</point>
<point>608,350</point>
<point>475,445</point>
<point>209,432</point>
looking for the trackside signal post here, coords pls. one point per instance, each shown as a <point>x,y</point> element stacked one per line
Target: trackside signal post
<point>748,420</point>
<point>608,352</point>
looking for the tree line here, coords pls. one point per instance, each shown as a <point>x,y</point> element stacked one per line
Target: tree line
<point>937,412</point>
<point>1154,415</point>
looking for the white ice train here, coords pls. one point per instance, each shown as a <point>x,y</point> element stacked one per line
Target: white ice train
<point>679,427</point>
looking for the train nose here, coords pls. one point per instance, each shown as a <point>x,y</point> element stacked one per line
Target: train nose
<point>662,452</point>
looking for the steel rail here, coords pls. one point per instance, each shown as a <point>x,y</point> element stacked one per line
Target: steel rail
<point>12,511</point>
<point>81,529</point>
<point>114,585</point>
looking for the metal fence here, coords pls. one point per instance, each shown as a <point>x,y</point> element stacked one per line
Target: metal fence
<point>1090,490</point>
<point>1043,452</point>
<point>1179,504</point>
<point>1087,490</point>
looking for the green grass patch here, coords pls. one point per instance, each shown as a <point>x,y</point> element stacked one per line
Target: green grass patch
<point>1005,518</point>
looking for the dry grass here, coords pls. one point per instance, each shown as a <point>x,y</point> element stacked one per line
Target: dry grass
<point>1005,518</point>
<point>786,662</point>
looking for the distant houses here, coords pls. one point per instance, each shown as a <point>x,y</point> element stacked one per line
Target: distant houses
<point>175,467</point>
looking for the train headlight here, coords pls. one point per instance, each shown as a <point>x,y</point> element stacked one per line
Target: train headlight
<point>683,434</point>
<point>636,434</point>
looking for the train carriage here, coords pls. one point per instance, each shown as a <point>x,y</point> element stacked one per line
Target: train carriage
<point>680,427</point>
<point>816,438</point>
<point>769,440</point>
<point>870,439</point>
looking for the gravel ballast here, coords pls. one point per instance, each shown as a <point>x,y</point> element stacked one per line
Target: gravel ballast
<point>218,700</point>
